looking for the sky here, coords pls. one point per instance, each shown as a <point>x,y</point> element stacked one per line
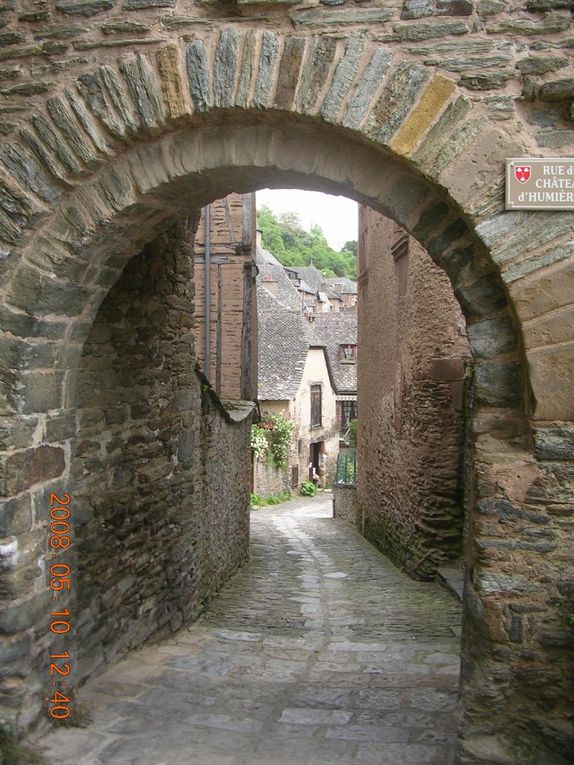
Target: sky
<point>337,216</point>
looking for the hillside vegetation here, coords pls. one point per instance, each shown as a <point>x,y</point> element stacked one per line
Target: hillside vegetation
<point>284,236</point>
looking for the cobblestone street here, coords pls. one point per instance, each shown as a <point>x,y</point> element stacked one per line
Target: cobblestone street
<point>318,652</point>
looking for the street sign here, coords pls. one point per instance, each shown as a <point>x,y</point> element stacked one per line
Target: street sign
<point>534,183</point>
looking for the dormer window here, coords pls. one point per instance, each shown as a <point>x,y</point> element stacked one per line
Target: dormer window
<point>348,353</point>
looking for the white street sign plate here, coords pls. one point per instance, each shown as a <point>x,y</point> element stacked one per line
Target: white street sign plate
<point>534,183</point>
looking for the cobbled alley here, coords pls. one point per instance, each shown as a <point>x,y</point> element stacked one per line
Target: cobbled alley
<point>318,652</point>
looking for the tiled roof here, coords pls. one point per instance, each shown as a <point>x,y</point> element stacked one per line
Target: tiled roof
<point>283,343</point>
<point>342,285</point>
<point>310,275</point>
<point>287,293</point>
<point>333,330</point>
<point>264,256</point>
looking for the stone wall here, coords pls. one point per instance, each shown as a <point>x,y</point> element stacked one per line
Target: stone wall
<point>346,506</point>
<point>495,50</point>
<point>270,479</point>
<point>153,459</point>
<point>413,344</point>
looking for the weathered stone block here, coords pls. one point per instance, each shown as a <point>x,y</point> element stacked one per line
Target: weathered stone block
<point>225,67</point>
<point>430,29</point>
<point>32,288</point>
<point>551,375</point>
<point>554,443</point>
<point>541,64</point>
<point>15,648</point>
<point>125,27</point>
<point>551,24</point>
<point>500,384</point>
<point>416,9</point>
<point>264,77</point>
<point>344,76</point>
<point>483,297</point>
<point>61,427</point>
<point>397,100</point>
<point>497,582</point>
<point>424,114</point>
<point>197,72</point>
<point>145,91</point>
<point>28,613</point>
<point>492,337</point>
<point>41,391</point>
<point>556,139</point>
<point>370,81</point>
<point>547,5</point>
<point>25,168</point>
<point>135,5</point>
<point>84,7</point>
<point>486,80</point>
<point>289,69</point>
<point>22,469</point>
<point>15,516</point>
<point>454,8</point>
<point>340,18</point>
<point>558,90</point>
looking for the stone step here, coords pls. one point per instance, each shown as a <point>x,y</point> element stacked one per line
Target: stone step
<point>452,579</point>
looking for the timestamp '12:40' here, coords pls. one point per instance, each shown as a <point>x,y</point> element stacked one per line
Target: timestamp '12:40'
<point>60,622</point>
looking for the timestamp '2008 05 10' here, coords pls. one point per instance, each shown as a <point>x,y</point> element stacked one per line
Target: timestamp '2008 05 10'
<point>60,621</point>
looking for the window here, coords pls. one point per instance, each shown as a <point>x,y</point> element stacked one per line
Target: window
<point>316,406</point>
<point>348,353</point>
<point>348,412</point>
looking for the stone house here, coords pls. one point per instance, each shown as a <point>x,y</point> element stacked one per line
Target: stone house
<point>305,355</point>
<point>323,294</point>
<point>295,380</point>
<point>345,289</point>
<point>337,332</point>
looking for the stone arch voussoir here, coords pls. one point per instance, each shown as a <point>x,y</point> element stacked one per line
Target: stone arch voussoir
<point>105,154</point>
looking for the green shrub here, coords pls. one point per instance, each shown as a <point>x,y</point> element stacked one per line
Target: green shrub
<point>13,753</point>
<point>255,500</point>
<point>271,439</point>
<point>352,431</point>
<point>308,489</point>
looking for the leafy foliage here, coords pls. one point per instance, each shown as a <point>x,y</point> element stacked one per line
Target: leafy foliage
<point>255,500</point>
<point>284,236</point>
<point>271,439</point>
<point>352,430</point>
<point>308,489</point>
<point>259,443</point>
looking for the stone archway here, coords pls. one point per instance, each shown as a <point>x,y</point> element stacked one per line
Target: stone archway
<point>133,145</point>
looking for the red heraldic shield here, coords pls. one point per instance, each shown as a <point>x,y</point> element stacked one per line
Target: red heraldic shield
<point>522,173</point>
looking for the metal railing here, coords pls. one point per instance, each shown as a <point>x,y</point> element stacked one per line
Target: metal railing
<point>346,471</point>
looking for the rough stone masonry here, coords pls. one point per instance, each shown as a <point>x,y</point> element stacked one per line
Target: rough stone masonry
<point>120,117</point>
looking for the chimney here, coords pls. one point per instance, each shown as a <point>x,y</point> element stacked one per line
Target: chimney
<point>270,284</point>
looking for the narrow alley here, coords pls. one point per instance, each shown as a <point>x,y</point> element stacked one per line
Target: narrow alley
<point>318,652</point>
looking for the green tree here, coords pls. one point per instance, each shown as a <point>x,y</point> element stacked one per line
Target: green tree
<point>285,237</point>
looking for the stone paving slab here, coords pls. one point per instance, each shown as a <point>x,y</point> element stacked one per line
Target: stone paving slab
<point>318,652</point>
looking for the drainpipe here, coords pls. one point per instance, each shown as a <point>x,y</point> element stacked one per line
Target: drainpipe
<point>207,280</point>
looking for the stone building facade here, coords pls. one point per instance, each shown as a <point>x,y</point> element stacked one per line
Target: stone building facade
<point>411,375</point>
<point>295,380</point>
<point>121,116</point>
<point>231,312</point>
